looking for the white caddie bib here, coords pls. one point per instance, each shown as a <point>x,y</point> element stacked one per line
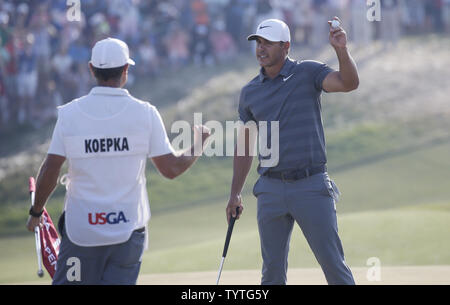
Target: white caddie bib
<point>96,220</point>
<point>106,195</point>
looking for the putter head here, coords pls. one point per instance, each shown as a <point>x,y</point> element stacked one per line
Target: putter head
<point>40,273</point>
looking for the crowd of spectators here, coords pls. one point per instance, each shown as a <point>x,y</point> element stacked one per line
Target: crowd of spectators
<point>44,53</point>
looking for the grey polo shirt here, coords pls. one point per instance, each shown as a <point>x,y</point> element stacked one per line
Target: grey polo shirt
<point>293,99</point>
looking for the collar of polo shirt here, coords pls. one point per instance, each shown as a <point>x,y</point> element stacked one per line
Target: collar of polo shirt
<point>285,71</point>
<point>109,91</point>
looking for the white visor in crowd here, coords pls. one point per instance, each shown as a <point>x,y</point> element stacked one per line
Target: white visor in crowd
<point>110,53</point>
<point>272,30</point>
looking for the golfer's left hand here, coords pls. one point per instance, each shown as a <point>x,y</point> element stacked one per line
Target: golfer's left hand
<point>234,202</point>
<point>338,37</point>
<point>33,222</point>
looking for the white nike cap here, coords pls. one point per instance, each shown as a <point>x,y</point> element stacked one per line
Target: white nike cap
<point>110,53</point>
<point>272,30</point>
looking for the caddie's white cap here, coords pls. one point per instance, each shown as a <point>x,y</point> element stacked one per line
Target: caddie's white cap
<point>110,53</point>
<point>272,30</point>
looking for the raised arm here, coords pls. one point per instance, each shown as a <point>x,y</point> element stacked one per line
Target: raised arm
<point>346,79</point>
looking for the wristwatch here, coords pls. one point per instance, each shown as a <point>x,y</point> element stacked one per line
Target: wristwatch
<point>34,214</point>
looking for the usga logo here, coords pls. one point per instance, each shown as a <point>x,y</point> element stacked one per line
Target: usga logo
<point>103,218</point>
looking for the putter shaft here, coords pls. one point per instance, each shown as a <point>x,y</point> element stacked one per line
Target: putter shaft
<point>227,243</point>
<point>220,270</point>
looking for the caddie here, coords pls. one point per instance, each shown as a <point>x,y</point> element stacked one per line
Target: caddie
<point>106,137</point>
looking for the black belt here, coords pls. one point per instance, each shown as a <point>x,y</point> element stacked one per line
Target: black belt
<point>293,175</point>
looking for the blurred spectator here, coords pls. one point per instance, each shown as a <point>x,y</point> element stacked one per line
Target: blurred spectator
<point>200,45</point>
<point>177,45</point>
<point>61,65</point>
<point>5,31</point>
<point>223,45</point>
<point>43,56</point>
<point>446,14</point>
<point>234,16</point>
<point>361,29</point>
<point>129,25</point>
<point>4,102</point>
<point>302,20</point>
<point>433,13</point>
<point>27,80</point>
<point>148,59</point>
<point>320,26</point>
<point>61,62</point>
<point>414,17</point>
<point>264,10</point>
<point>200,10</point>
<point>79,50</point>
<point>390,22</point>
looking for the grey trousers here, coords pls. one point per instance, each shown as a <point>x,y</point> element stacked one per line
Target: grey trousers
<point>311,203</point>
<point>104,265</point>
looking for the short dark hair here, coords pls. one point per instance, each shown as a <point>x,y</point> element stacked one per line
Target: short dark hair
<point>108,74</point>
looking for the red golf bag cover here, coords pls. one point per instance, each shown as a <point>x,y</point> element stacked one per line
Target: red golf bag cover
<point>49,244</point>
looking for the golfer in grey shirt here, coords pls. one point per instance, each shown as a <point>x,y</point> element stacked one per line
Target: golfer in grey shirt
<point>298,188</point>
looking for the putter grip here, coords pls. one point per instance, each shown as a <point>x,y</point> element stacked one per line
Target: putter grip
<point>31,184</point>
<point>230,230</point>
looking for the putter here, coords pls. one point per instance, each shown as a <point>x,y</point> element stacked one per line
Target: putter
<point>37,234</point>
<point>227,242</point>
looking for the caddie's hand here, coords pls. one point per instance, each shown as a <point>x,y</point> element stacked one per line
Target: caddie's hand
<point>234,202</point>
<point>201,132</point>
<point>34,222</point>
<point>338,37</point>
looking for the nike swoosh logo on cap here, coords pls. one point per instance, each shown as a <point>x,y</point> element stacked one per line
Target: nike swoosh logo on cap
<point>265,26</point>
<point>286,78</point>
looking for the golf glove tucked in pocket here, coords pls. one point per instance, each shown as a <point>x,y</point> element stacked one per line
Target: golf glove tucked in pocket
<point>332,188</point>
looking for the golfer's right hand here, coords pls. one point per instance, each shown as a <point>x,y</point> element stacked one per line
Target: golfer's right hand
<point>234,202</point>
<point>34,222</point>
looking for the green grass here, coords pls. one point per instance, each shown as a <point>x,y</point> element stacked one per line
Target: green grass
<point>409,179</point>
<point>401,218</point>
<point>377,167</point>
<point>191,240</point>
<point>396,237</point>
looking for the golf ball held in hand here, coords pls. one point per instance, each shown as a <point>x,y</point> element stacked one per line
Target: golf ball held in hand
<point>335,24</point>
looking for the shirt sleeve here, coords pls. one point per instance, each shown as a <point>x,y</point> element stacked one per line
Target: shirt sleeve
<point>159,142</point>
<point>244,113</point>
<point>322,71</point>
<point>57,142</point>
